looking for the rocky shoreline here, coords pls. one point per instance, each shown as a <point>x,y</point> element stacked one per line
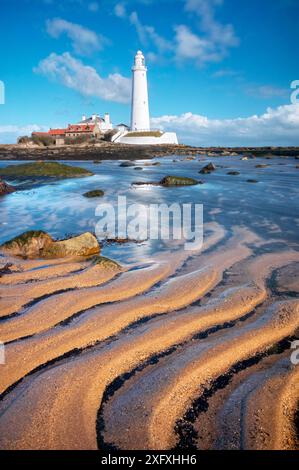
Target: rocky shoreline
<point>111,151</point>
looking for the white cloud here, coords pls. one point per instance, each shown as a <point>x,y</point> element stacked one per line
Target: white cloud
<point>72,73</point>
<point>266,91</point>
<point>10,133</point>
<point>120,10</point>
<point>279,126</point>
<point>148,35</point>
<point>84,41</point>
<point>215,39</point>
<point>189,45</point>
<point>209,42</point>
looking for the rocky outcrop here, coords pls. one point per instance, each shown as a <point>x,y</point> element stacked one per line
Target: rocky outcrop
<point>45,169</point>
<point>28,245</point>
<point>39,244</point>
<point>127,164</point>
<point>261,165</point>
<point>170,181</point>
<point>177,181</point>
<point>94,193</point>
<point>83,245</point>
<point>208,169</point>
<point>5,188</point>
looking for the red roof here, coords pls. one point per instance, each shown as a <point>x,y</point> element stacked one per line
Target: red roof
<point>80,128</point>
<point>57,131</point>
<point>72,128</point>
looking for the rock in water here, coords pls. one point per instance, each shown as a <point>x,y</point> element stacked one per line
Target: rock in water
<point>5,188</point>
<point>127,164</point>
<point>28,244</point>
<point>177,181</point>
<point>94,193</point>
<point>45,169</point>
<point>208,169</point>
<point>262,165</point>
<point>39,244</point>
<point>82,245</point>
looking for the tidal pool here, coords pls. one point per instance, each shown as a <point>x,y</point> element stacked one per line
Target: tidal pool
<point>269,207</point>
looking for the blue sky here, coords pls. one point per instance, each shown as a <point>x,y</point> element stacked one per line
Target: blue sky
<point>219,70</point>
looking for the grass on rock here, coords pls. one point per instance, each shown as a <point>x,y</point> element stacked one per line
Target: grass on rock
<point>50,169</point>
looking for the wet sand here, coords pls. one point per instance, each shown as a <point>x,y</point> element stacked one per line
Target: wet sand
<point>155,356</point>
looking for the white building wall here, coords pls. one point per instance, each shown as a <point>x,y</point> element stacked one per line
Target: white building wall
<point>167,138</point>
<point>140,120</point>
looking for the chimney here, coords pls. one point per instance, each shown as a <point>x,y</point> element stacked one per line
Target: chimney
<point>83,117</point>
<point>107,118</point>
<point>94,116</point>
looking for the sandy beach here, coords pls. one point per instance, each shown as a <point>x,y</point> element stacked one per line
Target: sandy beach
<point>169,348</point>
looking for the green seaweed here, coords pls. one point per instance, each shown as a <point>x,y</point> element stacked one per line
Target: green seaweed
<point>105,262</point>
<point>24,238</point>
<point>94,193</point>
<point>178,181</point>
<point>49,169</point>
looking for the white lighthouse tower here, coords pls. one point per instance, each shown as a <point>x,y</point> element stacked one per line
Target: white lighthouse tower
<point>140,120</point>
<point>140,132</point>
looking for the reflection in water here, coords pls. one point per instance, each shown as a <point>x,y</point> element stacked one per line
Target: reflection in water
<point>268,207</point>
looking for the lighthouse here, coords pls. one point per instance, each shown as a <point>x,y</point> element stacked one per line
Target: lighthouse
<point>140,132</point>
<point>140,120</point>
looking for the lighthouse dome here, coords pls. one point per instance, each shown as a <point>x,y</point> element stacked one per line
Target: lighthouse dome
<point>139,61</point>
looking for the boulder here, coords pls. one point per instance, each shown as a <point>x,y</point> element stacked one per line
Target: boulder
<point>233,173</point>
<point>106,263</point>
<point>44,169</point>
<point>208,169</point>
<point>252,181</point>
<point>28,244</point>
<point>127,164</point>
<point>177,181</point>
<point>82,245</point>
<point>94,193</point>
<point>39,244</point>
<point>5,188</point>
<point>261,165</point>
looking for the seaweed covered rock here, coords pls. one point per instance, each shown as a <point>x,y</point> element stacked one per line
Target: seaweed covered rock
<point>82,245</point>
<point>177,181</point>
<point>94,193</point>
<point>106,263</point>
<point>208,169</point>
<point>5,188</point>
<point>39,244</point>
<point>44,169</point>
<point>29,244</point>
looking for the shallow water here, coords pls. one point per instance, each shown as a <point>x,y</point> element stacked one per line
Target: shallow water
<point>269,207</point>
